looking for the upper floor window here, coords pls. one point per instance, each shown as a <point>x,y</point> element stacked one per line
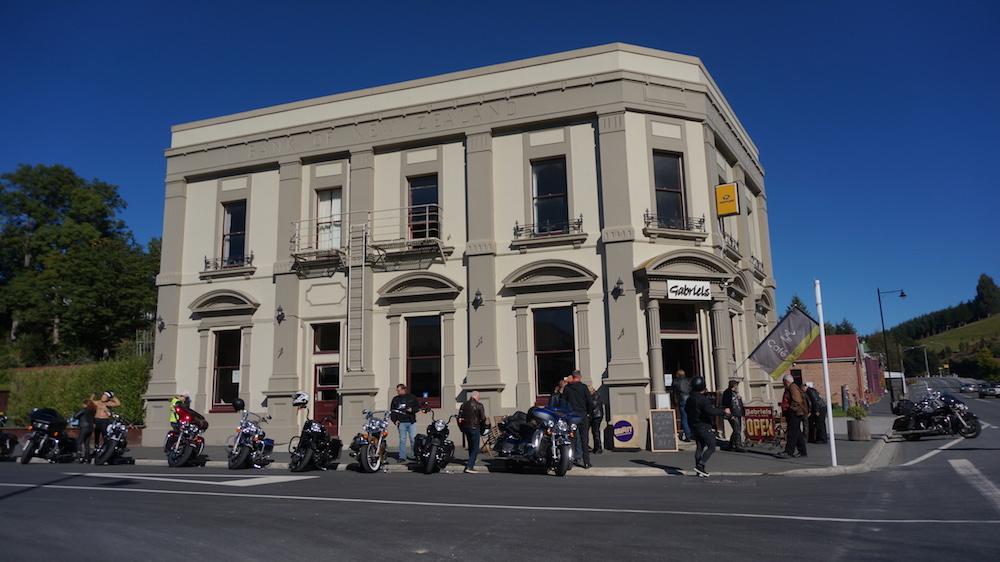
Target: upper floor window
<point>234,234</point>
<point>550,197</point>
<point>424,207</point>
<point>326,338</point>
<point>328,219</point>
<point>669,184</point>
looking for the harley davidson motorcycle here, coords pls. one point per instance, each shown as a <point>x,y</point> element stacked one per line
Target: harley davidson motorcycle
<point>369,446</point>
<point>935,414</point>
<point>182,445</point>
<point>115,441</point>
<point>541,438</point>
<point>249,447</point>
<point>313,447</point>
<point>47,438</point>
<point>7,441</point>
<point>434,450</point>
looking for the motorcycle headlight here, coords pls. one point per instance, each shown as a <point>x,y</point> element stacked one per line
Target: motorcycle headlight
<point>550,424</point>
<point>562,426</point>
<point>961,407</point>
<point>439,425</point>
<point>315,427</point>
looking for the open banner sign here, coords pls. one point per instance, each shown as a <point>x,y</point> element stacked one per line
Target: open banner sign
<point>760,423</point>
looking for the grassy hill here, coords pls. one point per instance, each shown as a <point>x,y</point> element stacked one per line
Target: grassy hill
<point>970,334</point>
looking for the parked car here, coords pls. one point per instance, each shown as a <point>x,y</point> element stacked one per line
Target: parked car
<point>969,387</point>
<point>989,389</point>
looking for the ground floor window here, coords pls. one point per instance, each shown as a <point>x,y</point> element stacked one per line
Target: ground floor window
<point>423,359</point>
<point>226,366</point>
<point>555,348</point>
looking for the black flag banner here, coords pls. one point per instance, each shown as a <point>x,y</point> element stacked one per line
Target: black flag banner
<point>785,342</point>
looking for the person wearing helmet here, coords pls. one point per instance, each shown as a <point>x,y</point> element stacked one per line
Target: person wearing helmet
<point>102,415</point>
<point>182,399</point>
<point>700,411</point>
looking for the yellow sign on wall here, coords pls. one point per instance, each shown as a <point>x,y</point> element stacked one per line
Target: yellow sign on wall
<point>727,201</point>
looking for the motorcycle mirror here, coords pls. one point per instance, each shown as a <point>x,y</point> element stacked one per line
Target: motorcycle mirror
<point>268,416</point>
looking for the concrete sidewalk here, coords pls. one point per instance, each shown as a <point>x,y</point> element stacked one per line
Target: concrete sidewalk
<point>852,457</point>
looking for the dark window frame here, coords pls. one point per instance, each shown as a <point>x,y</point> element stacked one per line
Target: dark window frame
<point>413,359</point>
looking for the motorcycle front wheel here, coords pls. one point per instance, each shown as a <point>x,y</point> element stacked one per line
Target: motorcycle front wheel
<point>107,452</point>
<point>28,452</point>
<point>565,452</point>
<point>179,457</point>
<point>431,462</point>
<point>238,456</point>
<point>369,457</point>
<point>972,429</point>
<point>301,458</point>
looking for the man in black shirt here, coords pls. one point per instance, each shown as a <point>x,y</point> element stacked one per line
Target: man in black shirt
<point>700,412</point>
<point>581,403</point>
<point>404,413</point>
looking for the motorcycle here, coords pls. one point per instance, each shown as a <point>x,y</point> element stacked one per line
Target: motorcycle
<point>249,447</point>
<point>115,442</point>
<point>935,414</point>
<point>313,447</point>
<point>7,441</point>
<point>434,450</point>
<point>186,443</point>
<point>47,438</point>
<point>541,438</point>
<point>369,446</point>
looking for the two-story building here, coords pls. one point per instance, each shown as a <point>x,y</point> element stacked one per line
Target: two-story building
<point>491,229</point>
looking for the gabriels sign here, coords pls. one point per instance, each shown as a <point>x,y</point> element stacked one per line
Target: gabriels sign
<point>689,290</point>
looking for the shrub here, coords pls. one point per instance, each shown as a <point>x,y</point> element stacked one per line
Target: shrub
<point>65,388</point>
<point>857,412</point>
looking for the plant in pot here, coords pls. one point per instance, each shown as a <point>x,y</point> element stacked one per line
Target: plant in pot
<point>857,426</point>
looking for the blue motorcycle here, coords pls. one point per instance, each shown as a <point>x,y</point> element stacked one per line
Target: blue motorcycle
<point>542,437</point>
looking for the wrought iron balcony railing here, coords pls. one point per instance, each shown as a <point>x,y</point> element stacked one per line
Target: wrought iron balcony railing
<point>228,262</point>
<point>547,228</point>
<point>673,223</point>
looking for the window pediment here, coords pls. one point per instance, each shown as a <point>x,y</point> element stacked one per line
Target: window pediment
<point>223,303</point>
<point>549,275</point>
<point>420,286</point>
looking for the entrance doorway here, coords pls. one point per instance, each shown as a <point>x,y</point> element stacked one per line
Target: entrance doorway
<point>681,354</point>
<point>327,397</point>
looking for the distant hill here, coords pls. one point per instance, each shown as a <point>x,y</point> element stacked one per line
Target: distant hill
<point>960,339</point>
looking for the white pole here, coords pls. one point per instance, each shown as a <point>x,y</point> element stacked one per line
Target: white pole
<point>826,376</point>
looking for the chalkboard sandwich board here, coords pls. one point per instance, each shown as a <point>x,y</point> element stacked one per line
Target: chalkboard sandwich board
<point>662,431</point>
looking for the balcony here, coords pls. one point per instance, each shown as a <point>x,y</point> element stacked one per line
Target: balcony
<point>389,234</point>
<point>548,234</point>
<point>758,268</point>
<point>731,247</point>
<point>228,266</point>
<point>681,228</point>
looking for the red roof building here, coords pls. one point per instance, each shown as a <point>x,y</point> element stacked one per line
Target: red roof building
<point>847,366</point>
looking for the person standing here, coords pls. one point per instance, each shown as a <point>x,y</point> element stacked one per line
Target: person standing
<point>793,407</point>
<point>184,400</point>
<point>682,390</point>
<point>85,416</point>
<point>103,413</point>
<point>732,401</point>
<point>581,403</point>
<point>404,414</point>
<point>596,415</point>
<point>472,420</point>
<point>556,399</point>
<point>817,415</point>
<point>700,411</point>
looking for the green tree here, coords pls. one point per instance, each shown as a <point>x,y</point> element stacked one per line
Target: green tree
<point>73,282</point>
<point>796,303</point>
<point>986,365</point>
<point>987,301</point>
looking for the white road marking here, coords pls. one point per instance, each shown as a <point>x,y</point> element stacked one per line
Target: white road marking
<point>241,482</point>
<point>535,508</point>
<point>934,452</point>
<point>980,482</point>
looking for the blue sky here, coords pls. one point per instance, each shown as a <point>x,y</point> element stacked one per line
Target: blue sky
<point>877,122</point>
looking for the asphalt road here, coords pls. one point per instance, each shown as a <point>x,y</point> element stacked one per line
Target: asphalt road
<point>933,498</point>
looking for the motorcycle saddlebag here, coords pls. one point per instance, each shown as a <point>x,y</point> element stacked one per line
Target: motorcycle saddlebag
<point>356,443</point>
<point>336,446</point>
<point>420,443</point>
<point>903,408</point>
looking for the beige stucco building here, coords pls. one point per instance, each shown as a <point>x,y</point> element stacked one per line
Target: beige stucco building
<point>490,229</point>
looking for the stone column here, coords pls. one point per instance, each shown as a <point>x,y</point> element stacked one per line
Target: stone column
<point>655,353</point>
<point>721,348</point>
<point>522,392</point>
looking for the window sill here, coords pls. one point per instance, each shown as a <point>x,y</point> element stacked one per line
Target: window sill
<point>653,233</point>
<point>575,239</point>
<point>212,274</point>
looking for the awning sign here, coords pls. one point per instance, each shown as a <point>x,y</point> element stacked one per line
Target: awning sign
<point>689,290</point>
<point>727,202</point>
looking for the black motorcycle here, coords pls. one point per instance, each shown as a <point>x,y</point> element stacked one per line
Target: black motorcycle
<point>115,442</point>
<point>47,438</point>
<point>935,414</point>
<point>250,446</point>
<point>434,451</point>
<point>314,447</point>
<point>543,437</point>
<point>7,441</point>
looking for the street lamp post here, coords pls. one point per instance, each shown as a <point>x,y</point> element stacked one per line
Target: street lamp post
<point>885,339</point>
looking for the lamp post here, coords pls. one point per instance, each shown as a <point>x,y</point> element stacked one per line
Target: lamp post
<point>885,339</point>
<point>926,368</point>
